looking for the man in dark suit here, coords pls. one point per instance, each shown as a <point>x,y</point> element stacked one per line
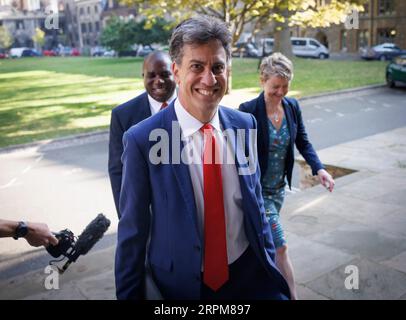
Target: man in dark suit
<point>160,91</point>
<point>204,216</point>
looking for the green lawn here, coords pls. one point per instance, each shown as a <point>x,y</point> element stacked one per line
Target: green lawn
<point>42,98</point>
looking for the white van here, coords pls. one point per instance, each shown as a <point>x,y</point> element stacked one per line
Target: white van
<point>17,52</point>
<point>301,47</point>
<point>309,47</point>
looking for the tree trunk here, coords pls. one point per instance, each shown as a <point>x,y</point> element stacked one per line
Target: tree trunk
<point>282,36</point>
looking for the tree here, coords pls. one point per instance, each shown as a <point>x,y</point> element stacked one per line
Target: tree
<point>38,38</point>
<point>239,13</point>
<point>116,35</point>
<point>6,40</point>
<point>120,35</point>
<point>148,32</point>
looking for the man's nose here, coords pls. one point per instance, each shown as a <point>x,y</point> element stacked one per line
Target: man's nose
<point>209,79</point>
<point>159,80</point>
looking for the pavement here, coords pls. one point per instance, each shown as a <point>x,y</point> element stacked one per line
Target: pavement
<point>345,245</point>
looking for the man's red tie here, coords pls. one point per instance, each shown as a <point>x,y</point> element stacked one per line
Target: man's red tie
<point>215,265</point>
<point>163,106</point>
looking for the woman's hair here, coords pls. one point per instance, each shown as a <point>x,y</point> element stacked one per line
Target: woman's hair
<point>276,65</point>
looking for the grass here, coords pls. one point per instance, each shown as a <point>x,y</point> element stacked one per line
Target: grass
<point>315,76</point>
<point>43,98</point>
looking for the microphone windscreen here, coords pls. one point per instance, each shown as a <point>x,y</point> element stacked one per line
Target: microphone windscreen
<point>92,233</point>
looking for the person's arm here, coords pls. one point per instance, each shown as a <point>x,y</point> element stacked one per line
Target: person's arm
<point>38,233</point>
<point>309,154</point>
<point>115,151</point>
<point>133,227</point>
<point>326,179</point>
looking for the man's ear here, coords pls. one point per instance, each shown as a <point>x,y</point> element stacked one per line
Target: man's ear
<point>175,72</point>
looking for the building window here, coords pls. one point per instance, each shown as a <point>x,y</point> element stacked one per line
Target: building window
<point>88,10</point>
<point>90,27</point>
<point>83,27</point>
<point>343,41</point>
<point>19,24</point>
<point>363,37</point>
<point>386,35</point>
<point>96,9</point>
<point>97,26</point>
<point>366,10</point>
<point>81,11</point>
<point>386,7</point>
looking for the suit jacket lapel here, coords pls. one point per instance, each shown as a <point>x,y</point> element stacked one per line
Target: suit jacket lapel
<point>180,170</point>
<point>145,107</point>
<point>263,126</point>
<point>247,181</point>
<point>289,120</point>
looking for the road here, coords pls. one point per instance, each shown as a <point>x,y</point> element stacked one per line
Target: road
<point>66,184</point>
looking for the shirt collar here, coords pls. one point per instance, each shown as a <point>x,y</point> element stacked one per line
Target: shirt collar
<point>189,124</point>
<point>156,105</point>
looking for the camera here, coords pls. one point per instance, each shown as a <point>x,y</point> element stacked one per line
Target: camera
<point>71,248</point>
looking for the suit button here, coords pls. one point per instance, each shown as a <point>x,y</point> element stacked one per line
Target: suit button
<point>197,277</point>
<point>197,248</point>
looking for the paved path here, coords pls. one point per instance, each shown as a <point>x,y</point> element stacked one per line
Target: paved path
<point>360,226</point>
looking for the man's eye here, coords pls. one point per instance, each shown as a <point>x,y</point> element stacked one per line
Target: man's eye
<point>218,69</point>
<point>196,67</point>
<point>165,74</point>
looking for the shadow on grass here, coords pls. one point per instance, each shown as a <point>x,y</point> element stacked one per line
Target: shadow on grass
<point>60,86</point>
<point>43,122</point>
<point>94,67</point>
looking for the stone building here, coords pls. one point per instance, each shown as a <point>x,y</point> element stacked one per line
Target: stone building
<point>382,21</point>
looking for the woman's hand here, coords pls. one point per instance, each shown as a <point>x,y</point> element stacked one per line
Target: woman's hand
<point>326,179</point>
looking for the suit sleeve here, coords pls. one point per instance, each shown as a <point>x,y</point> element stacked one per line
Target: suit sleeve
<point>133,227</point>
<point>242,108</point>
<point>115,152</point>
<point>303,144</point>
<point>266,229</point>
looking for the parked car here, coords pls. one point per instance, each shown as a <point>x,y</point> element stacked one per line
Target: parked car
<point>3,54</point>
<point>49,53</point>
<point>75,52</point>
<point>127,53</point>
<point>30,53</point>
<point>265,47</point>
<point>301,47</point>
<point>97,51</point>
<point>396,71</point>
<point>383,52</point>
<point>109,53</point>
<point>245,49</point>
<point>309,48</point>
<point>144,50</point>
<point>17,52</point>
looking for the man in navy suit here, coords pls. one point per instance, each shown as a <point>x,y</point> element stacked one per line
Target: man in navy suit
<point>160,90</point>
<point>198,220</point>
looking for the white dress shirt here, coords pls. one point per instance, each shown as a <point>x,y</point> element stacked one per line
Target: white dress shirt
<point>155,106</point>
<point>237,241</point>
